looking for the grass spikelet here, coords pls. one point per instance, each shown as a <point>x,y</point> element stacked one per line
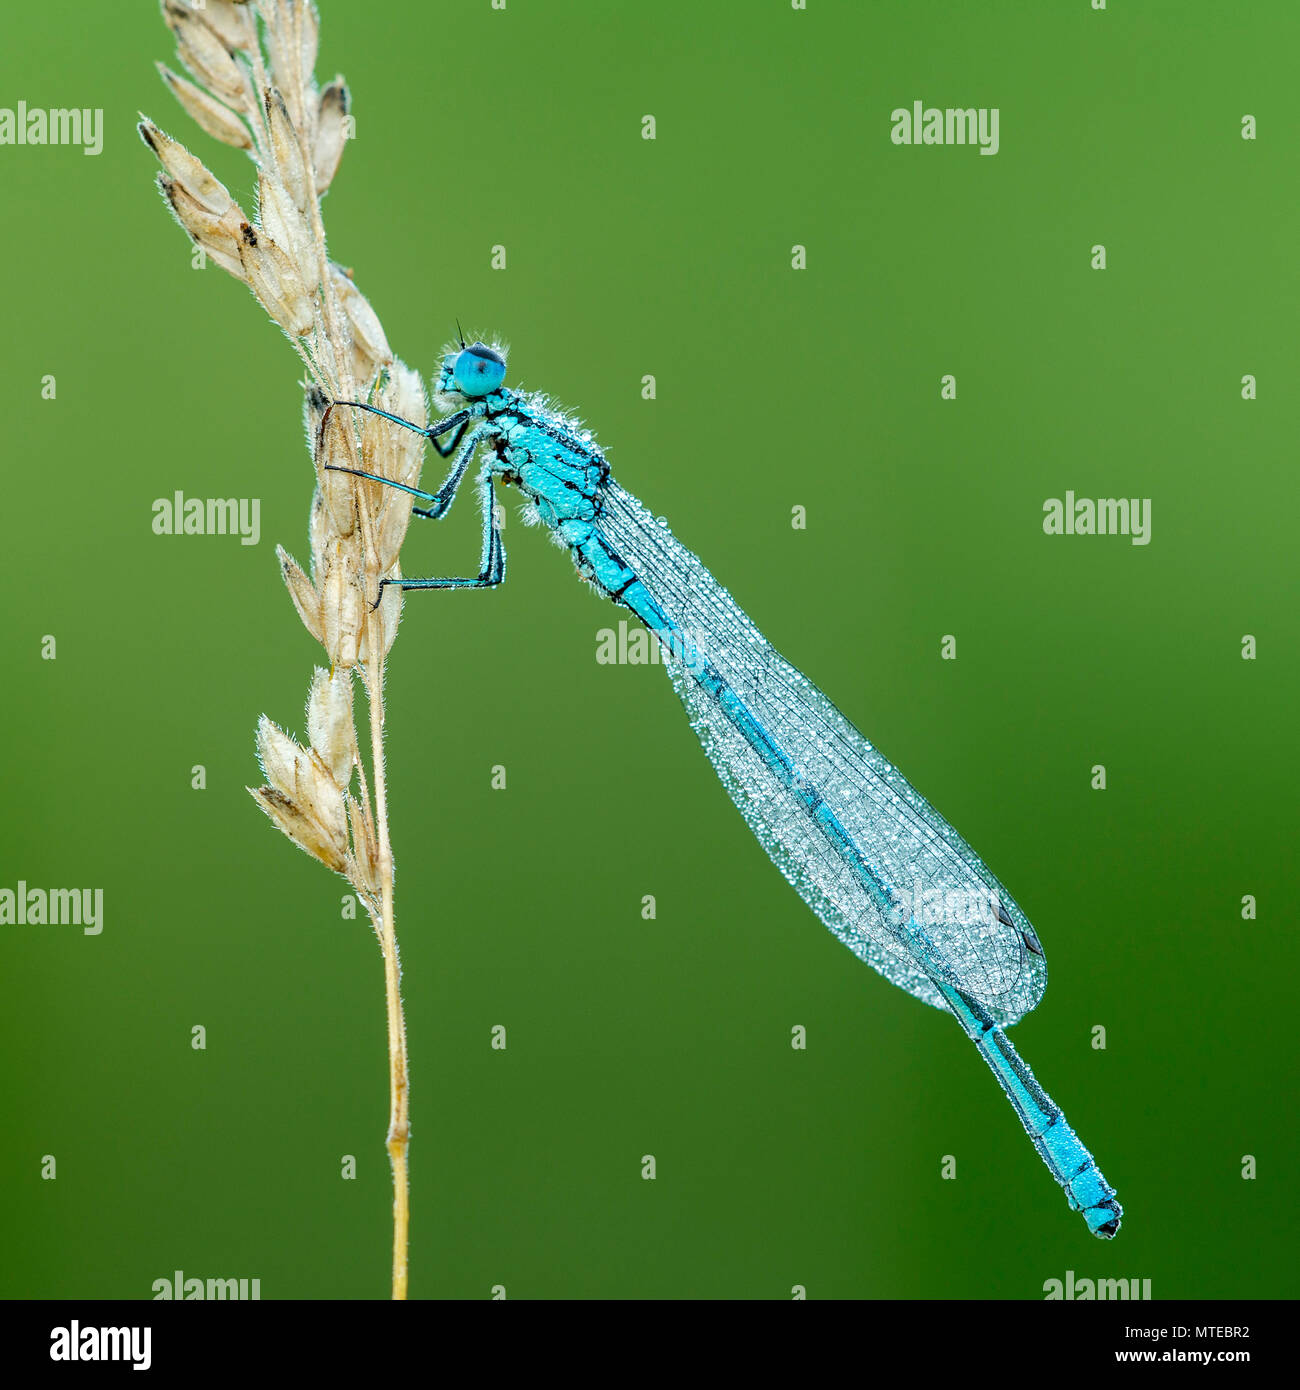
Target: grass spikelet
<point>251,84</point>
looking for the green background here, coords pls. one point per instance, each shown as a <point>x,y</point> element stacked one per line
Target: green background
<point>522,908</point>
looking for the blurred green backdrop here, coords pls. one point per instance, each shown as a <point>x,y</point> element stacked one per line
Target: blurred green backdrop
<point>776,388</point>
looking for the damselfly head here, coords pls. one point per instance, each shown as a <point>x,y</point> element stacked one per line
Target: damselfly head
<point>478,370</point>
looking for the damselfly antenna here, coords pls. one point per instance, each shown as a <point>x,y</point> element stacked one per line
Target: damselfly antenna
<point>460,333</point>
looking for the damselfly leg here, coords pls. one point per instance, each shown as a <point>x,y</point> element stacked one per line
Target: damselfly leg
<point>492,566</point>
<point>431,432</point>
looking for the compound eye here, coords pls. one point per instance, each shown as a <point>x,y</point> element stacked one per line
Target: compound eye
<point>479,370</point>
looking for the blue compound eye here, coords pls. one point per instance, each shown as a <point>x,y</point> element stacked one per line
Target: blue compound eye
<point>479,370</point>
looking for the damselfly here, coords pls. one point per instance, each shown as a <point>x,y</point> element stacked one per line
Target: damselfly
<point>871,857</point>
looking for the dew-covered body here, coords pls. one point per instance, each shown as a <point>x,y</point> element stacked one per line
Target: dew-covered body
<point>559,468</point>
<point>880,867</point>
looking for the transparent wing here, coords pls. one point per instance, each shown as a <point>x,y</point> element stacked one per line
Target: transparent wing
<point>983,942</point>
